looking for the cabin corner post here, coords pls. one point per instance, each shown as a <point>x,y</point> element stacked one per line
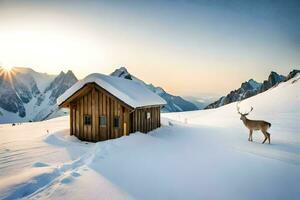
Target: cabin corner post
<point>159,116</point>
<point>71,119</point>
<point>94,117</point>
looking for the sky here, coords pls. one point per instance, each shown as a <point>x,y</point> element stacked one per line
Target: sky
<point>188,47</point>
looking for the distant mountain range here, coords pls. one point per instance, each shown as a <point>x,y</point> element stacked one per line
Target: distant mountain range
<point>202,100</point>
<point>174,103</point>
<point>27,95</point>
<point>251,88</point>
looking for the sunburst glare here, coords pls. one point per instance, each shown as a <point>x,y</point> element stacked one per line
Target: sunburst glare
<point>7,68</point>
<point>7,72</point>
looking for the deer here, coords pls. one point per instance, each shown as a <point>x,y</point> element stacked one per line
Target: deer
<point>255,125</point>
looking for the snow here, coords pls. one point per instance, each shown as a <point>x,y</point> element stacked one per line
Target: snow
<point>132,93</point>
<point>194,155</point>
<point>34,112</point>
<point>42,79</point>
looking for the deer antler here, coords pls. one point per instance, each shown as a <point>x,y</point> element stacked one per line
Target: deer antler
<point>238,107</point>
<point>249,111</point>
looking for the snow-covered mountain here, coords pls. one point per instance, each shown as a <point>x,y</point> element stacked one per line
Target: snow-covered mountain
<point>27,95</point>
<point>251,88</point>
<point>201,101</point>
<point>174,103</point>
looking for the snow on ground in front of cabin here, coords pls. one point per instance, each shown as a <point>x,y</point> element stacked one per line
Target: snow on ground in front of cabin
<point>194,155</point>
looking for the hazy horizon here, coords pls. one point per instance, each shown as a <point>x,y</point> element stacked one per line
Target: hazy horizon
<point>186,47</point>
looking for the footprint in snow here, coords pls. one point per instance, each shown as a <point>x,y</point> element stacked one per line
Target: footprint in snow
<point>67,180</point>
<point>40,164</point>
<point>75,174</point>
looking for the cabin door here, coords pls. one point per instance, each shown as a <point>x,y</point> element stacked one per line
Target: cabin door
<point>125,122</point>
<point>125,129</point>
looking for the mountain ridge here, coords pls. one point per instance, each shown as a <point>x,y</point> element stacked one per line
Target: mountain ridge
<point>27,95</point>
<point>251,88</point>
<point>31,96</point>
<point>174,103</point>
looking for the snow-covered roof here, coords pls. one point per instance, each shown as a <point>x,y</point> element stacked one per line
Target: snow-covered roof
<point>132,93</point>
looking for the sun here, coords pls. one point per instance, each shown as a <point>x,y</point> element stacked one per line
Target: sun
<point>7,68</point>
<point>7,72</point>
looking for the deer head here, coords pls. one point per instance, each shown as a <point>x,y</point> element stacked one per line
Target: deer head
<point>243,115</point>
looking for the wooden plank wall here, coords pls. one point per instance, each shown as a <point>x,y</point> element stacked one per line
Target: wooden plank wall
<point>96,103</point>
<point>140,121</point>
<point>71,120</point>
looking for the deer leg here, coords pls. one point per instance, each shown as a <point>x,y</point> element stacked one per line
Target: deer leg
<point>250,135</point>
<point>264,140</point>
<point>269,137</point>
<point>265,137</point>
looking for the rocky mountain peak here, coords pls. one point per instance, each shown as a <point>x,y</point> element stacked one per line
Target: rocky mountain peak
<point>60,84</point>
<point>62,73</point>
<point>123,69</point>
<point>251,88</point>
<point>31,95</point>
<point>250,85</point>
<point>174,103</point>
<point>292,74</point>
<point>70,76</point>
<point>121,72</point>
<point>275,78</point>
<point>70,73</point>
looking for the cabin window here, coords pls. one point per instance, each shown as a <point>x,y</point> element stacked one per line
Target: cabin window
<point>87,120</point>
<point>117,122</point>
<point>102,121</point>
<point>148,115</point>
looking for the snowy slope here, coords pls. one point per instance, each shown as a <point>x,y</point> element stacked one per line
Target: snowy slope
<point>194,155</point>
<point>280,106</point>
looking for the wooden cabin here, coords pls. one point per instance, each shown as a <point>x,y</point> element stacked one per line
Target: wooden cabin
<point>104,107</point>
